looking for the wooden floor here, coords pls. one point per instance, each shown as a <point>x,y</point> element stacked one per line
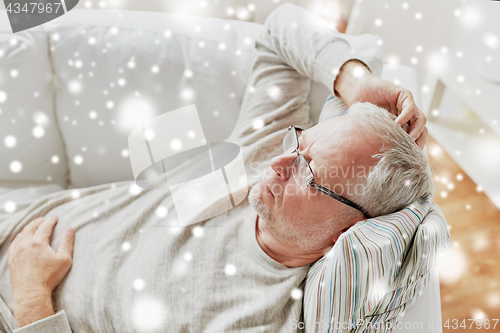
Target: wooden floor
<point>470,273</point>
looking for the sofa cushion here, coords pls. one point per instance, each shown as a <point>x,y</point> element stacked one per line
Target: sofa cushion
<point>116,69</point>
<point>30,143</point>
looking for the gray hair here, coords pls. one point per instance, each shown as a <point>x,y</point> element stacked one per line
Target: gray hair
<point>402,173</point>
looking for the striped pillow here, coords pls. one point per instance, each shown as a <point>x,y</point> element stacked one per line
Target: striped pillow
<point>375,271</point>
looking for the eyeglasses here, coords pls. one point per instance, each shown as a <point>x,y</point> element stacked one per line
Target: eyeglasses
<point>302,172</point>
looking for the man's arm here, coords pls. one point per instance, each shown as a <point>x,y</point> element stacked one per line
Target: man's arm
<point>309,44</point>
<point>35,270</point>
<point>315,50</point>
<point>294,48</point>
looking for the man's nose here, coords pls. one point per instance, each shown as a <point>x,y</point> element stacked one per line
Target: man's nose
<point>282,164</point>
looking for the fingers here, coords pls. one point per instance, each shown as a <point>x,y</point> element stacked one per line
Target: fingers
<point>422,139</point>
<point>398,101</point>
<point>417,126</point>
<point>67,243</point>
<point>45,229</point>
<point>406,106</point>
<point>30,228</point>
<point>412,114</point>
<point>415,117</point>
<point>27,231</point>
<point>409,110</point>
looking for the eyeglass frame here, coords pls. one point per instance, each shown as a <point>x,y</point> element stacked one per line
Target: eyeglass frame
<point>315,185</point>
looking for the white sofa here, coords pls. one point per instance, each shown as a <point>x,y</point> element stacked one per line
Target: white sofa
<point>72,90</point>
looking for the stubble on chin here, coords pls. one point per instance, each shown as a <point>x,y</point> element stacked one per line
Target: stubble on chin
<point>281,230</point>
<point>274,225</point>
<point>256,201</point>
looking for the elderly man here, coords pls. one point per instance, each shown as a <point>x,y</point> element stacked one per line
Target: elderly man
<point>236,271</point>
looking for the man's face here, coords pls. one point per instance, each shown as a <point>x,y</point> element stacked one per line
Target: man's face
<point>337,151</point>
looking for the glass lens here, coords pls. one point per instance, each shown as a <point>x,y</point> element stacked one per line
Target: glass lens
<point>301,172</point>
<point>290,140</point>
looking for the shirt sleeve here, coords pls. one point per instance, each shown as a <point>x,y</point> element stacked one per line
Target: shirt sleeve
<point>57,323</point>
<point>293,48</point>
<point>309,44</point>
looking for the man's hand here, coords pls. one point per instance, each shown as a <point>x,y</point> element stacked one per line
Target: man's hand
<point>356,84</point>
<point>35,269</point>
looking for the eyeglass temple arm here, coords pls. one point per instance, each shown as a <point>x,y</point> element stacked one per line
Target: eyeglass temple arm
<point>340,198</point>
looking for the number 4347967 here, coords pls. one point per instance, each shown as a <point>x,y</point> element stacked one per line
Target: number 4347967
<point>33,7</point>
<point>471,324</point>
